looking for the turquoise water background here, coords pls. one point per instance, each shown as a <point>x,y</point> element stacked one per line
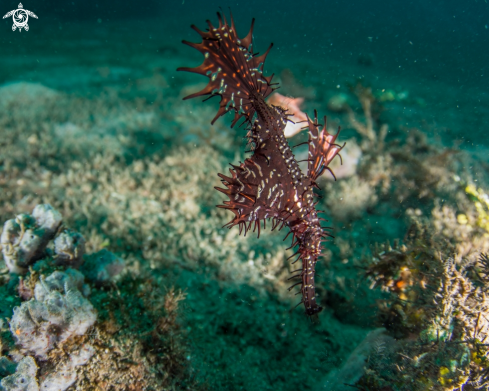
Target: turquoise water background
<point>92,121</point>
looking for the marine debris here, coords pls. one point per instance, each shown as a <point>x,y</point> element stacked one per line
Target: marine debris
<point>270,184</point>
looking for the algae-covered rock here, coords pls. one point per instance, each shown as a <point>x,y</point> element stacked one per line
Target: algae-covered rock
<point>24,239</point>
<point>24,378</point>
<point>47,218</point>
<point>58,312</point>
<point>65,374</point>
<point>69,248</point>
<point>63,282</point>
<point>102,266</point>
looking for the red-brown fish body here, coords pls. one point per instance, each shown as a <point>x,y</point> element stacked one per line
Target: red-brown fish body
<point>300,214</point>
<point>269,184</point>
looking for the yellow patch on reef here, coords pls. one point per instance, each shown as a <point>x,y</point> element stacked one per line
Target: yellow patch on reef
<point>444,382</point>
<point>443,379</point>
<point>444,371</point>
<point>481,203</point>
<point>462,219</point>
<point>476,358</point>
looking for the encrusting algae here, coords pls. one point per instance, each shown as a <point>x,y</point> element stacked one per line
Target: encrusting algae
<point>480,200</point>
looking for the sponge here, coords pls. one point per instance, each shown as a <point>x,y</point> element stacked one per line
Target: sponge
<point>101,267</point>
<point>69,247</point>
<point>57,312</point>
<point>24,239</point>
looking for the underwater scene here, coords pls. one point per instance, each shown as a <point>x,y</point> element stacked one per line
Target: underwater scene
<point>322,223</point>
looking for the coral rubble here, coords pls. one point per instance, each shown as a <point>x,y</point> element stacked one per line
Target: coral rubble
<point>63,333</point>
<point>24,238</point>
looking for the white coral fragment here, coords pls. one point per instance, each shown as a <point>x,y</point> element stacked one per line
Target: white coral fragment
<point>57,312</point>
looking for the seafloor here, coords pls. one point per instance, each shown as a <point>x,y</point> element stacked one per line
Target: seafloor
<point>97,128</point>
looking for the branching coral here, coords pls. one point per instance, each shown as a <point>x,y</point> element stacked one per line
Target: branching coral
<point>455,225</point>
<point>451,349</point>
<point>372,139</point>
<point>404,271</point>
<point>412,169</point>
<point>439,311</point>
